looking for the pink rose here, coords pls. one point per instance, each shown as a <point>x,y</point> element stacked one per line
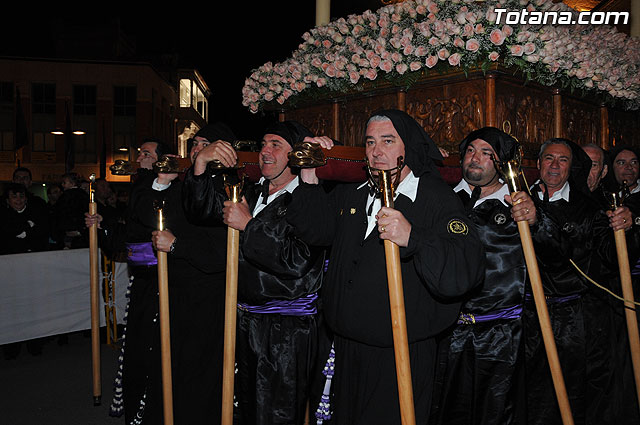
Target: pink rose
<point>472,45</point>
<point>354,77</point>
<point>529,48</point>
<point>497,37</point>
<point>375,61</point>
<point>434,41</point>
<point>507,30</point>
<point>401,68</point>
<point>479,29</point>
<point>321,82</point>
<point>268,96</point>
<point>458,42</point>
<point>443,54</point>
<point>326,44</point>
<point>454,59</point>
<point>467,31</point>
<point>414,66</point>
<point>516,50</point>
<point>431,61</point>
<point>371,74</point>
<point>493,56</point>
<point>421,51</point>
<point>386,66</point>
<point>532,58</point>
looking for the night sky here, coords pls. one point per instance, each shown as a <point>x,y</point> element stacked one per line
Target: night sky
<point>224,46</point>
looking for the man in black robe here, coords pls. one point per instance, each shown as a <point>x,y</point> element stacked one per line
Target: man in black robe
<point>279,276</point>
<point>441,259</point>
<point>196,263</point>
<point>138,388</point>
<point>480,366</point>
<point>577,241</point>
<point>624,166</point>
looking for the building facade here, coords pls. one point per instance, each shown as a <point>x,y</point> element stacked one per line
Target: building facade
<point>102,109</point>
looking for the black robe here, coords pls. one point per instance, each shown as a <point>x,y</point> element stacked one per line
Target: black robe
<point>197,271</point>
<point>581,323</point>
<point>26,231</point>
<point>276,354</point>
<point>480,363</point>
<point>443,260</point>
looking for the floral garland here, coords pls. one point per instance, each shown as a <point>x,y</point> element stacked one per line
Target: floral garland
<point>401,42</point>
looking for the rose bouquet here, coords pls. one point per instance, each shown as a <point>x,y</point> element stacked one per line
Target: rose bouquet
<point>399,43</point>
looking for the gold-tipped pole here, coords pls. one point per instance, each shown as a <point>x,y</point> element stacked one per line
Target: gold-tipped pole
<point>230,312</point>
<point>627,290</point>
<point>510,171</point>
<point>165,336</point>
<point>94,296</point>
<point>396,304</point>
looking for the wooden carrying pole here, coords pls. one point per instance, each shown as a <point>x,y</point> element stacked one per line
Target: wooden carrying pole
<point>511,176</point>
<point>398,317</point>
<point>94,297</point>
<point>230,314</point>
<point>629,306</point>
<point>165,336</point>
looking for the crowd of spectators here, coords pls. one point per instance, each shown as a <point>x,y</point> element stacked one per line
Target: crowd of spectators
<point>28,223</point>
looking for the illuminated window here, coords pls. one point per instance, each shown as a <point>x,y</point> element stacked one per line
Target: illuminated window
<point>191,96</point>
<point>185,93</point>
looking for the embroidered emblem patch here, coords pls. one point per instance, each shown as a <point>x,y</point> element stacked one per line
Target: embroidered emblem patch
<point>500,218</point>
<point>353,211</point>
<point>458,227</point>
<point>636,221</point>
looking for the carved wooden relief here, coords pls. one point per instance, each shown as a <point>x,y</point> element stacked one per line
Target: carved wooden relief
<point>317,118</point>
<point>529,111</point>
<point>354,113</point>
<point>448,108</point>
<point>580,121</point>
<point>448,112</point>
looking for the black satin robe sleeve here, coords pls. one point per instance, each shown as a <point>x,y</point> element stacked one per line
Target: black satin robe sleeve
<point>274,262</point>
<point>445,247</point>
<point>269,243</point>
<point>574,231</point>
<point>202,198</point>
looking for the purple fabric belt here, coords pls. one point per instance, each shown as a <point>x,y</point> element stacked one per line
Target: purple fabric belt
<point>636,269</point>
<point>303,306</point>
<point>506,313</point>
<point>555,300</point>
<point>141,254</point>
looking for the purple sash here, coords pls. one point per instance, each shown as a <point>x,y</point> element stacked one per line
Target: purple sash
<point>141,254</point>
<point>303,306</point>
<point>506,313</point>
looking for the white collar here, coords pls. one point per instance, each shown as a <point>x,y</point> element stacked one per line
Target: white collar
<point>159,186</point>
<point>408,187</point>
<point>290,187</point>
<point>563,193</point>
<point>499,194</point>
<point>637,188</point>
